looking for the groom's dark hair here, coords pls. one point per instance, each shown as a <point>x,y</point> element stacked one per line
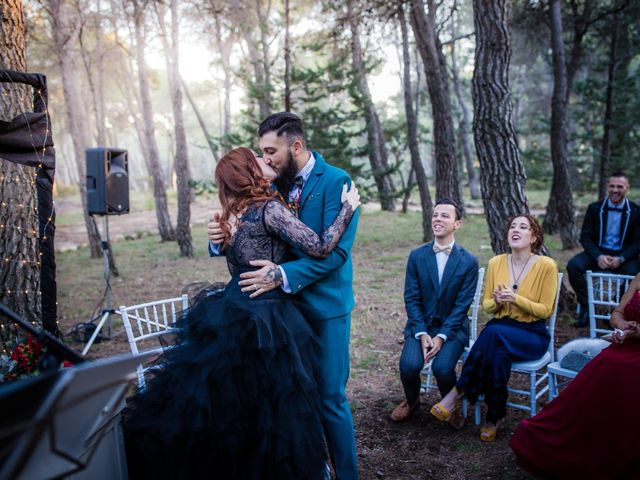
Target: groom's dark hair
<point>283,122</point>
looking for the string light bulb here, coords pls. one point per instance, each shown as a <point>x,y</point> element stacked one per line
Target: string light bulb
<point>40,151</point>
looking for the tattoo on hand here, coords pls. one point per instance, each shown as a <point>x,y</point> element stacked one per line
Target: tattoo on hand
<point>275,275</point>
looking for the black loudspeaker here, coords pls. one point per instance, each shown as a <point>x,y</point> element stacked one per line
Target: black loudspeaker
<point>107,181</point>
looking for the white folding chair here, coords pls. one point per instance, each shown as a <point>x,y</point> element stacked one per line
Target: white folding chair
<point>535,369</point>
<point>604,291</point>
<point>558,377</point>
<point>151,320</point>
<point>592,347</point>
<point>555,370</point>
<point>429,384</point>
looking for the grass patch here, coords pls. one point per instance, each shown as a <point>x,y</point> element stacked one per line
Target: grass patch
<point>71,218</point>
<point>467,447</point>
<point>364,341</point>
<point>370,361</point>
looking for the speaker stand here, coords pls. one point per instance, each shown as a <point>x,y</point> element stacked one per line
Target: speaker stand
<point>107,310</point>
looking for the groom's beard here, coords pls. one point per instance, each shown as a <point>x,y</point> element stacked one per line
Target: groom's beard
<point>286,176</point>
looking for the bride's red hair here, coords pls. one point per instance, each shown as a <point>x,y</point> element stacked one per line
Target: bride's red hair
<point>240,182</point>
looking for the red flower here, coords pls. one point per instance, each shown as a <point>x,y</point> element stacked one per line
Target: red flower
<point>26,355</point>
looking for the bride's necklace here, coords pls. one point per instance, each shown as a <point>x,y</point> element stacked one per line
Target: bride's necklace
<point>516,279</point>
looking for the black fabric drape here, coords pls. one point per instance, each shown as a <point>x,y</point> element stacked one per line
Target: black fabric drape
<point>27,139</point>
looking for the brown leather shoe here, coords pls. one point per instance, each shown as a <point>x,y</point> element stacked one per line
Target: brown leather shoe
<point>404,411</point>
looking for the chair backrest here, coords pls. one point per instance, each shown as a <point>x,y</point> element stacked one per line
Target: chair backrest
<point>475,306</point>
<point>152,319</point>
<point>552,319</point>
<point>604,291</point>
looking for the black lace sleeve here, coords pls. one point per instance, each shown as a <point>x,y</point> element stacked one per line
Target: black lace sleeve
<point>285,225</point>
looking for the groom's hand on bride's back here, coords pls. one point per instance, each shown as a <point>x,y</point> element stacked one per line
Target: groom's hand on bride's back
<point>214,232</point>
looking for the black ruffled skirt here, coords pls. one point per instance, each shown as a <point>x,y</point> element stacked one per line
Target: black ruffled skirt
<point>235,397</point>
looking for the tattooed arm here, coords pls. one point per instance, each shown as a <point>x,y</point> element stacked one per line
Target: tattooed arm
<point>267,278</point>
<point>280,222</point>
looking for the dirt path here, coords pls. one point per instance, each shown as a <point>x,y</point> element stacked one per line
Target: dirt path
<point>138,223</point>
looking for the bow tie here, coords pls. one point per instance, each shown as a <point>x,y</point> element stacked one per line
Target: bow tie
<point>446,250</point>
<point>615,209</point>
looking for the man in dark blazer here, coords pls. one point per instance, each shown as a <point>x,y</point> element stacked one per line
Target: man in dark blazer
<point>611,240</point>
<point>440,283</point>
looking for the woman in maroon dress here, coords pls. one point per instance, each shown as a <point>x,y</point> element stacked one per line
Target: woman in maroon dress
<point>592,430</point>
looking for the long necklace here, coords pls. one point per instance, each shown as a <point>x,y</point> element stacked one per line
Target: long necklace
<point>513,271</point>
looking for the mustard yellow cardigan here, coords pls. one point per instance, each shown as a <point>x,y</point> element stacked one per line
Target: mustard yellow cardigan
<point>536,292</point>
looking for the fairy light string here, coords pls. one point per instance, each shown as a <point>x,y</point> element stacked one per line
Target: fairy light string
<point>40,234</point>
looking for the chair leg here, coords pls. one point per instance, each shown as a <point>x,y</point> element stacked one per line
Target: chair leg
<point>426,385</point>
<point>552,386</point>
<point>532,393</point>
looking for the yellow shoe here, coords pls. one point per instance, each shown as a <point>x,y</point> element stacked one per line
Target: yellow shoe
<point>441,413</point>
<point>489,431</point>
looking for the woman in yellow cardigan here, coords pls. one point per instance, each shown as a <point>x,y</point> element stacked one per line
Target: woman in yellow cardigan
<point>520,292</point>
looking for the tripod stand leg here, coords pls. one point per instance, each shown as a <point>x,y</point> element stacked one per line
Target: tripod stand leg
<point>105,315</point>
<point>107,311</point>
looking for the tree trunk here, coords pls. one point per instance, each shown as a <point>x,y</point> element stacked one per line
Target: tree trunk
<point>259,81</point>
<point>561,216</point>
<point>375,135</point>
<point>424,29</point>
<point>225,57</point>
<point>92,62</point>
<point>203,126</point>
<point>501,169</point>
<point>624,92</point>
<point>407,194</point>
<point>19,260</point>
<point>247,16</point>
<point>132,97</point>
<point>605,152</point>
<point>152,157</point>
<point>103,136</point>
<point>172,56</point>
<point>263,28</point>
<point>560,210</point>
<point>463,122</point>
<point>417,168</point>
<point>287,58</point>
<point>64,37</point>
<point>134,106</point>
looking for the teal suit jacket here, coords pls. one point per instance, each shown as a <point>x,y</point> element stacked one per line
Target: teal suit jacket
<point>325,285</point>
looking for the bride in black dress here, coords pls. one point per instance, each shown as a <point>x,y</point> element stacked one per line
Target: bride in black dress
<point>235,397</point>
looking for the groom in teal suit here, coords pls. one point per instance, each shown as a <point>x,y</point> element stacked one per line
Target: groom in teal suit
<point>312,188</point>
